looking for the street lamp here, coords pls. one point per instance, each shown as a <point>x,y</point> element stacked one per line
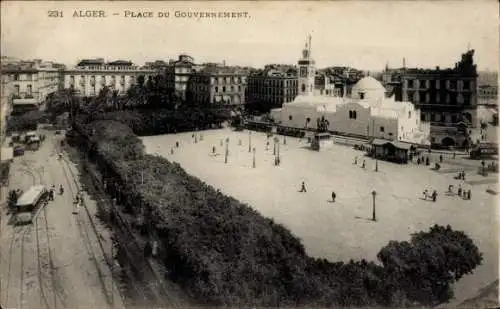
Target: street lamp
<point>249,141</point>
<point>376,165</point>
<point>253,165</point>
<point>227,150</point>
<point>374,193</point>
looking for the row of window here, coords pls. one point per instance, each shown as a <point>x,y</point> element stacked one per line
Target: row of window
<point>92,77</point>
<point>108,68</point>
<point>416,97</point>
<point>223,89</point>
<point>17,90</point>
<point>272,91</point>
<point>273,82</point>
<point>449,84</point>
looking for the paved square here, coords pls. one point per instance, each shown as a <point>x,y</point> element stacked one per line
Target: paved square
<point>340,230</point>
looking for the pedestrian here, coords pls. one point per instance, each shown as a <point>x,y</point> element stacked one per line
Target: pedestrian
<point>459,190</point>
<point>450,188</point>
<point>418,161</point>
<point>434,195</point>
<point>463,175</point>
<point>171,150</point>
<point>440,158</point>
<point>51,194</point>
<point>364,164</point>
<point>213,149</point>
<point>177,144</point>
<point>427,162</point>
<point>303,187</point>
<point>355,160</point>
<point>333,196</point>
<point>468,194</point>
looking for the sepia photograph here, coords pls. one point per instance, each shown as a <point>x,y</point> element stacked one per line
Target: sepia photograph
<point>249,154</point>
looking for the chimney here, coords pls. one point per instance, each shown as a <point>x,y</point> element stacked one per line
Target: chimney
<point>404,63</point>
<point>224,63</point>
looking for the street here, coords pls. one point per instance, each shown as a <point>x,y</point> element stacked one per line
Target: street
<point>62,260</point>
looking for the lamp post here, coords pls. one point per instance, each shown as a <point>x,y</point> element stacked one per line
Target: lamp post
<point>253,165</point>
<point>249,141</point>
<point>284,139</point>
<point>274,145</point>
<point>227,150</point>
<point>376,165</point>
<point>374,193</point>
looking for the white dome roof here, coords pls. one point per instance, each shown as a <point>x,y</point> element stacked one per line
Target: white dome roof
<point>371,88</point>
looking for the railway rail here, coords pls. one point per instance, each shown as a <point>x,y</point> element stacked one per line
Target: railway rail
<point>158,292</point>
<point>87,231</point>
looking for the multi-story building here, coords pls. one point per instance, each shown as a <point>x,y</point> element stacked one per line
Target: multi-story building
<point>178,73</point>
<point>32,82</point>
<point>367,113</point>
<point>487,95</point>
<point>447,98</point>
<point>5,103</point>
<point>89,76</point>
<point>270,88</point>
<point>217,85</point>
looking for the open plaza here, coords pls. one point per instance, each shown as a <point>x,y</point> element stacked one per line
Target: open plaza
<point>344,229</point>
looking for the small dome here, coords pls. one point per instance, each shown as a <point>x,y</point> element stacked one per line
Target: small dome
<point>368,88</point>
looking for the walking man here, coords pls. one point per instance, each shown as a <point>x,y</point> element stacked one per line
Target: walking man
<point>434,195</point>
<point>364,164</point>
<point>333,196</point>
<point>303,187</point>
<point>440,158</point>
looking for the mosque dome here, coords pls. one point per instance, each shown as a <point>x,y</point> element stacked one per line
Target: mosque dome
<point>368,88</point>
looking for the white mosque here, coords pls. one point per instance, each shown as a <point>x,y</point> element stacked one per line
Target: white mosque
<point>367,112</point>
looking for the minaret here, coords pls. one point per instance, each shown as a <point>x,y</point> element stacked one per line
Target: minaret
<point>307,70</point>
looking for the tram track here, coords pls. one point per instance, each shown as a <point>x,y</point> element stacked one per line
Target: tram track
<point>45,253</point>
<point>85,234</point>
<point>157,294</point>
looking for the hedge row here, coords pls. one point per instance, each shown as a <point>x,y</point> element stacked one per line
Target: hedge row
<point>222,251</point>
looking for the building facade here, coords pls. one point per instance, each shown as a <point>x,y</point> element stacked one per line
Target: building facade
<point>217,85</point>
<point>5,103</point>
<point>366,113</point>
<point>447,98</point>
<point>89,76</point>
<point>178,74</point>
<point>270,88</point>
<point>31,82</point>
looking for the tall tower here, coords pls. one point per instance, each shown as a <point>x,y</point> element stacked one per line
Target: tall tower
<point>307,70</point>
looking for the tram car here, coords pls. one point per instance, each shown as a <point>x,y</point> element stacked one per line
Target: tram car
<point>28,203</point>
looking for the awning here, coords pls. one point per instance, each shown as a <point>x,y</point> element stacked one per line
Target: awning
<point>25,102</point>
<point>401,145</point>
<point>7,154</point>
<point>379,142</point>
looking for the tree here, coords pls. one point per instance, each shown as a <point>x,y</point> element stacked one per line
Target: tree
<point>425,268</point>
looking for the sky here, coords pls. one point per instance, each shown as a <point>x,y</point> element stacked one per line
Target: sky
<point>361,34</point>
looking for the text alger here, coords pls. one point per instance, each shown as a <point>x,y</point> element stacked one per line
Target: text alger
<point>138,14</point>
<point>89,13</point>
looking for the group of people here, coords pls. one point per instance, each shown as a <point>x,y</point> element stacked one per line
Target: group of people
<point>432,196</point>
<point>53,189</point>
<point>355,162</point>
<point>303,189</point>
<point>465,194</point>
